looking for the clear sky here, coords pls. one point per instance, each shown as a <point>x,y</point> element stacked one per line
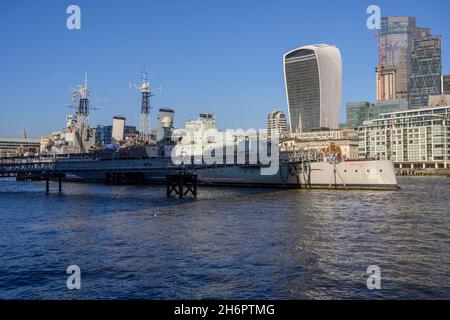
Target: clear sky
<point>223,57</point>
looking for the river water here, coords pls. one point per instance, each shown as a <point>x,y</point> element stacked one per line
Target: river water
<point>131,242</point>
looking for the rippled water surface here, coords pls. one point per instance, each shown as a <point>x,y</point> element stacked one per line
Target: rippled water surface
<point>131,242</point>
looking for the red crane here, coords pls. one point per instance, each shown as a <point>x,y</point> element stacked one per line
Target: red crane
<point>380,66</point>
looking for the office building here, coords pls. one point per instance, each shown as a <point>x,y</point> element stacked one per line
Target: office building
<point>396,40</point>
<point>103,134</point>
<point>426,70</point>
<point>276,122</point>
<point>360,111</point>
<point>446,84</point>
<point>313,80</point>
<point>387,106</point>
<point>18,146</point>
<point>416,139</point>
<point>357,112</point>
<point>386,84</point>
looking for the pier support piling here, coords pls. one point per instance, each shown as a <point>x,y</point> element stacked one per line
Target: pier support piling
<point>47,185</point>
<point>181,184</point>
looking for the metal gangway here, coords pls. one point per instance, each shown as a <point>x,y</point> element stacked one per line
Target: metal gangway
<point>25,167</point>
<point>57,167</point>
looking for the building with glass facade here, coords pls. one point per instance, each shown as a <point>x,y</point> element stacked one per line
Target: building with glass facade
<point>396,39</point>
<point>360,111</point>
<point>387,106</point>
<point>416,139</point>
<point>104,134</point>
<point>446,84</point>
<point>426,70</point>
<point>357,112</point>
<point>313,81</point>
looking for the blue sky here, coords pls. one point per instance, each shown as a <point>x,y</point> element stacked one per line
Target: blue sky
<point>223,57</point>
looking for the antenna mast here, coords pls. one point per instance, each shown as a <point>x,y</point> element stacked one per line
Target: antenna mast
<point>83,103</point>
<point>145,107</point>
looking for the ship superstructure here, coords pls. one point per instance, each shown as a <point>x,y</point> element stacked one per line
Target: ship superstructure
<point>77,136</point>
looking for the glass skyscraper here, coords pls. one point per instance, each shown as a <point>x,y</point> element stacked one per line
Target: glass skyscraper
<point>313,80</point>
<point>396,39</point>
<point>426,70</point>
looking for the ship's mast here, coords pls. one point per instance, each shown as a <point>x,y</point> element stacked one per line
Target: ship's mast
<point>145,107</point>
<point>82,106</point>
<point>83,103</point>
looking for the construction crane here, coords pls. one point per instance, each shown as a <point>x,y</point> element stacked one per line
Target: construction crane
<point>380,67</point>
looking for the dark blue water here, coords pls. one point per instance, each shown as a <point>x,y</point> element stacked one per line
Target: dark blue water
<point>131,242</point>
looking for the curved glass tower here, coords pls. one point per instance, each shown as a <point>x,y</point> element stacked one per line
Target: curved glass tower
<point>313,80</point>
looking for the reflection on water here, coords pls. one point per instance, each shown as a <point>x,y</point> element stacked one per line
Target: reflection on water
<point>132,242</point>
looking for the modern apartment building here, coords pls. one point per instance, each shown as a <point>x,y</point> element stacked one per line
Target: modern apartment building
<point>416,139</point>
